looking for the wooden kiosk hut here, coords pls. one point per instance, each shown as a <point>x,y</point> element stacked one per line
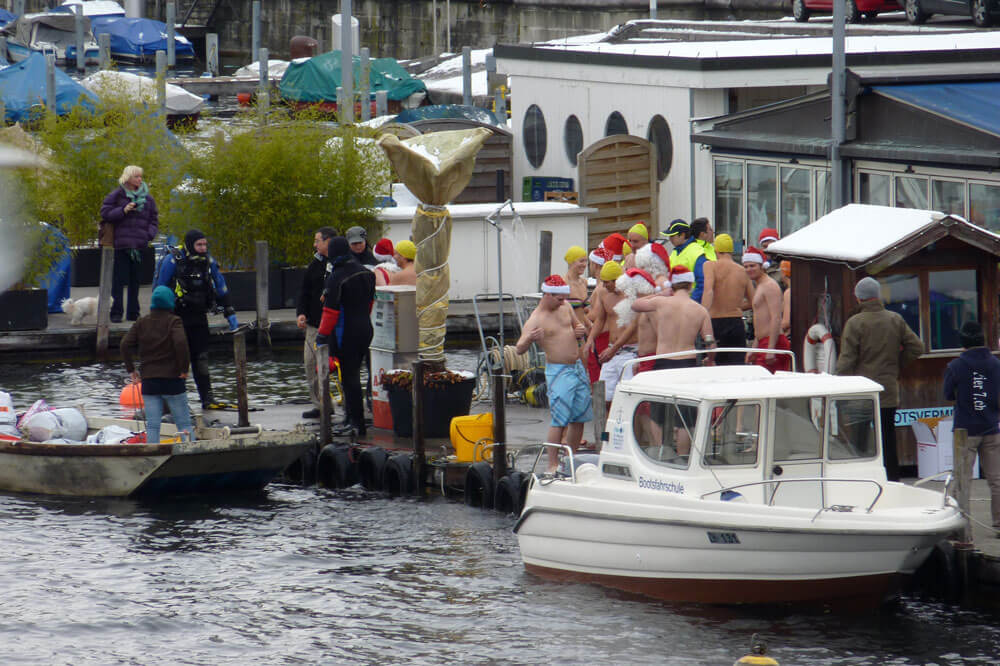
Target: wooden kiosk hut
<point>936,270</point>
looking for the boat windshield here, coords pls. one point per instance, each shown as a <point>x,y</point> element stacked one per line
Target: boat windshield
<point>733,434</point>
<point>664,430</point>
<point>852,428</point>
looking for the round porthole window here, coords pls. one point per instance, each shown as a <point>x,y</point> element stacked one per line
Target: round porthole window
<point>659,136</point>
<point>615,125</point>
<point>534,135</point>
<point>573,138</point>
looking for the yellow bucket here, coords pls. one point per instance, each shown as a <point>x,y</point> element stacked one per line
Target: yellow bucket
<point>467,431</point>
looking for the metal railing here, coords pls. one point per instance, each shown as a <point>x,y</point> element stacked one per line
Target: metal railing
<point>703,352</point>
<point>546,479</point>
<point>821,479</point>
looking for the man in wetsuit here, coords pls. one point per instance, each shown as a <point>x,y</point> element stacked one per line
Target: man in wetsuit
<point>346,326</point>
<point>193,275</point>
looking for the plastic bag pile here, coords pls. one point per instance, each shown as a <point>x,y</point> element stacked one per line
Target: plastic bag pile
<point>67,425</point>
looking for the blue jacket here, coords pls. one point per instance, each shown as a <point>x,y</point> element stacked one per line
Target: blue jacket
<point>973,381</point>
<point>167,268</point>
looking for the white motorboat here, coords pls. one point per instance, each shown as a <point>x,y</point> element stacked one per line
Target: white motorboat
<point>732,485</point>
<point>51,32</point>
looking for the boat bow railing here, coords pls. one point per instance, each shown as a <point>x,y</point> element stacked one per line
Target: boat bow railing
<point>546,479</point>
<point>821,479</point>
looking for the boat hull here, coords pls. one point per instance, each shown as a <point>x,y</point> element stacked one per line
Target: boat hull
<point>678,551</point>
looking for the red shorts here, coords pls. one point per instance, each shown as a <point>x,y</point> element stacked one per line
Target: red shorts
<point>593,365</point>
<point>778,361</point>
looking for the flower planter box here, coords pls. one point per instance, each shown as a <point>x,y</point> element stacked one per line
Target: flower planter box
<point>243,289</point>
<point>86,268</point>
<point>291,284</point>
<point>24,310</point>
<point>441,404</point>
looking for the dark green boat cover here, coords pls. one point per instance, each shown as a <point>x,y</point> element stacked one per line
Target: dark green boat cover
<point>316,79</point>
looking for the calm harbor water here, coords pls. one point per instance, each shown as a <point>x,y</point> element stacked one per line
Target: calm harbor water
<point>305,575</point>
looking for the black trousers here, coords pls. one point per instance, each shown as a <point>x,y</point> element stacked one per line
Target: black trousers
<point>126,273</point>
<point>351,361</point>
<point>887,415</point>
<point>729,332</point>
<point>198,336</point>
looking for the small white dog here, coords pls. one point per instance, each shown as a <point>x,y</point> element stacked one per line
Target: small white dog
<point>80,309</point>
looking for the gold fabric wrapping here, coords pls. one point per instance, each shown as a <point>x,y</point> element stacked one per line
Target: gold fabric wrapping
<point>436,168</point>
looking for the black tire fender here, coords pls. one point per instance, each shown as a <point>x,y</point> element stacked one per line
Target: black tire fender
<point>336,467</point>
<point>508,497</point>
<point>479,485</point>
<point>397,475</point>
<point>303,470</point>
<point>370,465</point>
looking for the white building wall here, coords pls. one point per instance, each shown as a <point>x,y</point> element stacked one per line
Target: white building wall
<point>592,102</point>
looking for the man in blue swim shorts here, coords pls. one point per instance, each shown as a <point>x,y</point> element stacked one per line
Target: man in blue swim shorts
<point>554,327</point>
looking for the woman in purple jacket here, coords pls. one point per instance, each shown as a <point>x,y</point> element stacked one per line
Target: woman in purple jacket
<point>132,212</point>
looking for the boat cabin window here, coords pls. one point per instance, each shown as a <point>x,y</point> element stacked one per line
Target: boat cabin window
<point>664,431</point>
<point>798,428</point>
<point>852,428</point>
<point>733,434</point>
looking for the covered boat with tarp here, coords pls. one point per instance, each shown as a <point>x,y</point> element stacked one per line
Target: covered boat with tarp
<point>49,32</point>
<point>450,112</point>
<point>22,88</point>
<point>138,39</point>
<point>315,81</point>
<point>5,18</point>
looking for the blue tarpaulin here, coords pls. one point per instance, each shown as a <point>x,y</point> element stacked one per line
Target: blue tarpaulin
<point>22,86</point>
<point>976,104</point>
<point>6,17</point>
<point>138,37</point>
<point>58,279</point>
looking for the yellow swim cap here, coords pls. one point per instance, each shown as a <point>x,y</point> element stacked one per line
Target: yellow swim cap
<point>640,228</point>
<point>724,243</point>
<point>611,271</point>
<point>574,253</point>
<point>626,248</point>
<point>407,249</point>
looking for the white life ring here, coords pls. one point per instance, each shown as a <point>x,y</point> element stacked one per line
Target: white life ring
<point>819,354</point>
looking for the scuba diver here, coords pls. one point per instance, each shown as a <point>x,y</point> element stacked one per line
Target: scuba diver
<point>346,325</point>
<point>193,275</point>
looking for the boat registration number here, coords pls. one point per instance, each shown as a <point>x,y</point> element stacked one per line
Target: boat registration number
<point>723,537</point>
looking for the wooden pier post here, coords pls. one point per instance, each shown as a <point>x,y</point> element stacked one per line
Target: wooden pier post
<point>264,91</point>
<point>161,81</point>
<point>50,83</point>
<point>326,406</point>
<point>240,359</point>
<point>499,423</point>
<point>171,30</point>
<point>81,56</point>
<point>104,301</point>
<point>104,42</point>
<point>962,471</point>
<point>419,448</point>
<point>263,291</point>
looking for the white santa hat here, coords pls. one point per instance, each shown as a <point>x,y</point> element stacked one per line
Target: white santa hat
<point>680,275</point>
<point>753,255</point>
<point>634,283</point>
<point>653,258</point>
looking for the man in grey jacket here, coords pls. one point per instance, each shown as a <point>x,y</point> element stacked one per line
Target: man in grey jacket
<point>877,343</point>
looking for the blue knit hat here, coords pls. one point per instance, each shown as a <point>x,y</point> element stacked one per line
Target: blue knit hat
<point>163,299</point>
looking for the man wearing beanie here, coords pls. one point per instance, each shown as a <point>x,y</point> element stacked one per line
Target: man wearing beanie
<point>973,381</point>
<point>346,325</point>
<point>877,343</point>
<point>193,275</point>
<point>163,352</point>
<point>309,310</point>
<point>727,292</point>
<point>357,238</point>
<point>554,327</point>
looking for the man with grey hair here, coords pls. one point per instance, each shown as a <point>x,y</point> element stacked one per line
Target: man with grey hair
<point>877,343</point>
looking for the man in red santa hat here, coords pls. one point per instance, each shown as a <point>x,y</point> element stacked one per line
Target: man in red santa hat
<point>553,326</point>
<point>766,314</point>
<point>386,264</point>
<point>679,321</point>
<point>635,284</point>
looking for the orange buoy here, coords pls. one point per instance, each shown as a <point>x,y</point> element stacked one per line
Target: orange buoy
<point>243,98</point>
<point>131,396</point>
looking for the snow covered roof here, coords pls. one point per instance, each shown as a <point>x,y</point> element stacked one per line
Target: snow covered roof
<point>859,233</point>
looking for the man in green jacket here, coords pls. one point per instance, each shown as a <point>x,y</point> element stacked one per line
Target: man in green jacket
<point>876,344</point>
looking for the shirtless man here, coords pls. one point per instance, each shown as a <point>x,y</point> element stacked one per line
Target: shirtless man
<point>727,294</point>
<point>638,237</point>
<point>786,300</point>
<point>598,258</point>
<point>766,314</point>
<point>635,284</point>
<point>384,255</point>
<point>556,330</point>
<point>679,321</point>
<point>405,253</point>
<point>621,342</point>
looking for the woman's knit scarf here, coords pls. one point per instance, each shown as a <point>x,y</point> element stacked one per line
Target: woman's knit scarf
<point>138,197</point>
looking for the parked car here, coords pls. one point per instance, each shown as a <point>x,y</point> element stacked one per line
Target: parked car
<point>856,9</point>
<point>983,12</point>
